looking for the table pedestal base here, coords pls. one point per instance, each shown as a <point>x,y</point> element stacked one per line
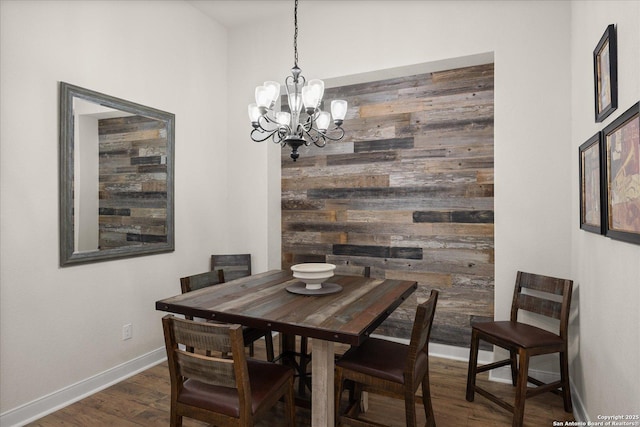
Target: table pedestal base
<point>322,364</point>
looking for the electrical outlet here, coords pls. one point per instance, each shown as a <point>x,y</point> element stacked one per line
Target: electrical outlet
<point>127,332</point>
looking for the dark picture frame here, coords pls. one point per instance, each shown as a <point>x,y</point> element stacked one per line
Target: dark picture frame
<point>605,73</point>
<point>621,164</point>
<point>592,211</point>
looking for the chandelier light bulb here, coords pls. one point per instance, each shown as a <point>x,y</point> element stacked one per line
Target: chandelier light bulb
<point>338,109</point>
<point>313,92</point>
<point>319,87</point>
<point>254,113</point>
<point>310,98</point>
<point>274,91</point>
<point>263,96</point>
<point>323,121</point>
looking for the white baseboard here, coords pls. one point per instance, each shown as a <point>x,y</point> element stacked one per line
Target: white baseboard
<point>579,411</point>
<point>59,399</point>
<point>503,375</point>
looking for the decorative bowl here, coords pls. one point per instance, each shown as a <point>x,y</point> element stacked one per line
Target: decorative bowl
<point>313,273</point>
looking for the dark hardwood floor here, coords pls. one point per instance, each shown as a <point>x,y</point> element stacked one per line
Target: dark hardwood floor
<point>143,400</point>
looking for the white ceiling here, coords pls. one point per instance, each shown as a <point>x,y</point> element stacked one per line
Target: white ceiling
<point>231,13</point>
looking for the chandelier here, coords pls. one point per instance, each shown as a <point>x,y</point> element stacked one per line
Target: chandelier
<point>305,123</point>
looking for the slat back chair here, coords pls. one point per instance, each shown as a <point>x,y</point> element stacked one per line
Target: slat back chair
<point>390,369</point>
<point>216,277</point>
<point>199,281</point>
<point>353,270</point>
<point>234,266</point>
<point>223,388</point>
<point>545,296</point>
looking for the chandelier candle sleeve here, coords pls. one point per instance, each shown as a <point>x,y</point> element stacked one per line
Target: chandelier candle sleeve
<point>299,126</point>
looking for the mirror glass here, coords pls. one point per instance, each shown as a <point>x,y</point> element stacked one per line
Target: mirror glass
<point>116,177</point>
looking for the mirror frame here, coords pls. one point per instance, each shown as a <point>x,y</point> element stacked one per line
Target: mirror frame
<point>68,255</point>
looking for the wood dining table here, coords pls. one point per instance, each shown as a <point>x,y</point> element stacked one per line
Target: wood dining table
<point>262,300</point>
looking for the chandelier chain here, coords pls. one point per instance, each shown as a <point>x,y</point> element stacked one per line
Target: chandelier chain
<point>295,34</point>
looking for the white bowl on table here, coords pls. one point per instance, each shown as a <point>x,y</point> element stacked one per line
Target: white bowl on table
<point>313,274</point>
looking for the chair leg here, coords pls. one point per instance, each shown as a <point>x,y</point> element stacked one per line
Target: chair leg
<point>357,407</point>
<point>410,407</point>
<point>426,402</point>
<point>566,389</point>
<point>290,405</point>
<point>251,350</point>
<point>338,383</point>
<point>268,340</point>
<point>521,389</point>
<point>175,419</point>
<point>514,366</point>
<point>473,366</point>
<point>304,362</point>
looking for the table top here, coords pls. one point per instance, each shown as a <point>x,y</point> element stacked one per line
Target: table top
<point>262,301</point>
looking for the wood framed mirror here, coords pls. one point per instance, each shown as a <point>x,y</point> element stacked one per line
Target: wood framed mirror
<point>116,177</point>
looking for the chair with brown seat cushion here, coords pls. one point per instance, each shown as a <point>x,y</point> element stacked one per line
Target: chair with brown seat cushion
<point>352,270</point>
<point>223,387</point>
<point>545,296</point>
<point>390,369</point>
<point>234,266</point>
<point>215,277</point>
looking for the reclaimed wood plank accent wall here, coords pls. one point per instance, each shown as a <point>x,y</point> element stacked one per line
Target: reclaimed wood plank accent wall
<point>132,181</point>
<point>408,192</point>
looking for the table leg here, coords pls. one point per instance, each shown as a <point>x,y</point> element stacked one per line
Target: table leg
<point>322,412</point>
<point>287,343</point>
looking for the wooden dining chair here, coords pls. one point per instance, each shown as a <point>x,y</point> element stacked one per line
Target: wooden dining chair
<point>223,387</point>
<point>234,266</point>
<point>352,270</point>
<point>216,277</point>
<point>545,296</point>
<point>390,369</point>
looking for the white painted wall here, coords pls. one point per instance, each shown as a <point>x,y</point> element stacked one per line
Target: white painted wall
<point>606,347</point>
<point>60,326</point>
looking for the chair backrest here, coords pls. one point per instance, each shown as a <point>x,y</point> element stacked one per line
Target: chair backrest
<point>203,280</point>
<point>421,330</point>
<point>219,358</point>
<point>353,270</point>
<point>543,295</point>
<point>233,266</point>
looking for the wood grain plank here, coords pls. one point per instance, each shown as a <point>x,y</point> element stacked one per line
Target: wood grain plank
<point>355,181</point>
